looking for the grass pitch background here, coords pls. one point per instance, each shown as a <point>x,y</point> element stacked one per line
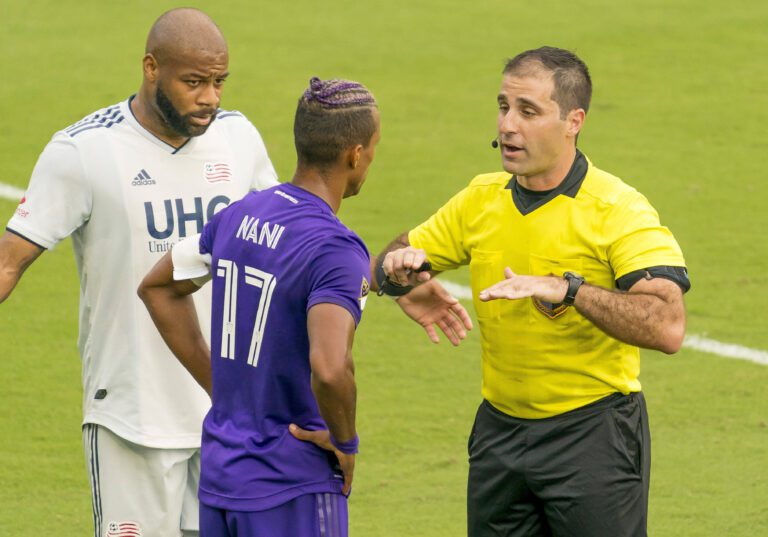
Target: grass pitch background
<point>679,111</point>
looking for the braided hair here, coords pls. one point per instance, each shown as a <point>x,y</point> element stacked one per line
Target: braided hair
<point>332,115</point>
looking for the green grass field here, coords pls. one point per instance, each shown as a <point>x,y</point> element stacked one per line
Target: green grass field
<point>679,111</point>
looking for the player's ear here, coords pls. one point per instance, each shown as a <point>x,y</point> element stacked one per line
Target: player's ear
<point>353,155</point>
<point>150,67</point>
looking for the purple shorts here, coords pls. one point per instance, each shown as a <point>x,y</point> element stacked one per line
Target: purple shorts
<point>310,515</point>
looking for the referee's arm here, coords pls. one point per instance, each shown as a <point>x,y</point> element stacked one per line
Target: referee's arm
<point>400,262</point>
<point>651,314</point>
<point>429,304</point>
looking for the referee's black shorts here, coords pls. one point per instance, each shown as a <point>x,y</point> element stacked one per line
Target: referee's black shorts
<point>584,473</point>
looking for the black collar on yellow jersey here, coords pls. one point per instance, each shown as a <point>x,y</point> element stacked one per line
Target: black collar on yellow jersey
<point>528,201</point>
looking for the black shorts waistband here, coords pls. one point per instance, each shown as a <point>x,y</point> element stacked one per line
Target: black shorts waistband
<point>609,401</point>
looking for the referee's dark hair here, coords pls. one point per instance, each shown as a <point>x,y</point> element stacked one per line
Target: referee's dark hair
<point>332,116</point>
<point>573,87</point>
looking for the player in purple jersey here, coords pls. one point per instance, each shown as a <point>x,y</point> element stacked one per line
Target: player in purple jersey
<point>289,284</point>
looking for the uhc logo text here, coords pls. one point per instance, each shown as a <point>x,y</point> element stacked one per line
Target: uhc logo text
<point>178,214</point>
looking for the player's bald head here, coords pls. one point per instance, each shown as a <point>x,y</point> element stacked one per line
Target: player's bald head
<point>185,66</point>
<point>183,32</point>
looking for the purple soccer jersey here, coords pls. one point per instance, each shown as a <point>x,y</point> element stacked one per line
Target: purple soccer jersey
<point>275,254</point>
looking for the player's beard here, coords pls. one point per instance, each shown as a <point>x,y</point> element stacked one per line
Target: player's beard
<point>180,124</point>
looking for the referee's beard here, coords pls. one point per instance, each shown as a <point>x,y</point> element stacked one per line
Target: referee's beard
<point>180,124</point>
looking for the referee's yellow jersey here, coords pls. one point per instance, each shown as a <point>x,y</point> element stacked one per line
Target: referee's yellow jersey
<point>540,360</point>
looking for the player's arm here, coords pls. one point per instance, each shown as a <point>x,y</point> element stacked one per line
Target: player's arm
<point>170,304</point>
<point>16,254</point>
<point>428,303</point>
<point>57,201</point>
<point>331,330</point>
<point>651,314</point>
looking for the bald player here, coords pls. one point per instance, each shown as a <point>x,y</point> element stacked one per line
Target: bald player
<point>127,182</point>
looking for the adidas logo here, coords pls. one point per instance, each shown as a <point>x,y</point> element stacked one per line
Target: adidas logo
<point>142,178</point>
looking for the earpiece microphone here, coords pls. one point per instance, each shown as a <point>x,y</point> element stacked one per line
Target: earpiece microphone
<point>495,143</point>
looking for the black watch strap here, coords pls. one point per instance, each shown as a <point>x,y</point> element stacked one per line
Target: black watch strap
<point>390,288</point>
<point>574,282</point>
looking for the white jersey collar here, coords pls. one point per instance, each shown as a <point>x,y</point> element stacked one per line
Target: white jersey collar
<point>133,122</point>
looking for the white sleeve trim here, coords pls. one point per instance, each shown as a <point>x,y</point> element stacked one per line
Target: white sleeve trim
<point>18,228</point>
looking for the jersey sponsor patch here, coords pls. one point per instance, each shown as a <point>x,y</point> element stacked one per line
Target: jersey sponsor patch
<point>553,311</point>
<point>124,529</point>
<point>217,172</point>
<point>365,288</point>
<point>21,211</point>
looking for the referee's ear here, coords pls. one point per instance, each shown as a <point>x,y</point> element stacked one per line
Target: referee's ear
<point>575,120</point>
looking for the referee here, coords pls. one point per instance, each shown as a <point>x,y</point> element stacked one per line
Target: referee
<point>560,445</point>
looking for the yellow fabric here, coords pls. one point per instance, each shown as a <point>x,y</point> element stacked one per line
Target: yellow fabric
<point>535,366</point>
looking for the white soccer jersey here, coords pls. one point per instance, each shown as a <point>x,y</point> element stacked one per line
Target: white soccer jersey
<point>126,197</point>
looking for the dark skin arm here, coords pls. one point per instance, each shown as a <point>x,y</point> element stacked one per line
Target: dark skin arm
<point>170,304</point>
<point>331,331</point>
<point>650,315</point>
<point>429,304</point>
<point>16,254</point>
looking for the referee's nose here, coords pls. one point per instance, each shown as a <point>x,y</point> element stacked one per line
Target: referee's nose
<point>508,123</point>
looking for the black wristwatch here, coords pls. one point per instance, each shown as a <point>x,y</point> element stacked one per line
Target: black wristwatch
<point>574,282</point>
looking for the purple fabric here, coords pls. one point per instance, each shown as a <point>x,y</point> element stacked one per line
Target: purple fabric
<point>289,252</point>
<point>311,515</point>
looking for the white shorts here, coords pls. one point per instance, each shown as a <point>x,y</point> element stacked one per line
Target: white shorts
<point>139,491</point>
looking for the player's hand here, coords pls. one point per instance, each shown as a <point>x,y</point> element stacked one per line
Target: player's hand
<point>401,265</point>
<point>429,305</point>
<point>322,439</point>
<point>513,286</point>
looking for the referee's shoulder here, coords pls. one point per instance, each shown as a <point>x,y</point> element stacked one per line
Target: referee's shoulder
<point>490,180</point>
<point>607,188</point>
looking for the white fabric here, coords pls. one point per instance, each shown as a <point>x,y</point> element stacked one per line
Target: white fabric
<point>153,489</point>
<point>126,197</point>
<point>188,262</point>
